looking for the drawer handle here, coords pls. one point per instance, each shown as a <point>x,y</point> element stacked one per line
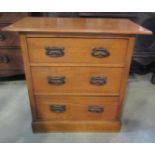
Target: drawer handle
<point>54,51</point>
<point>96,109</point>
<point>57,80</point>
<point>58,108</point>
<point>100,53</point>
<point>4,59</point>
<point>2,37</point>
<point>98,81</point>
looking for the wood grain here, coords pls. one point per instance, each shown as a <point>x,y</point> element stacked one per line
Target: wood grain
<point>9,73</point>
<point>11,58</point>
<point>78,37</point>
<point>28,76</point>
<point>11,17</point>
<point>76,108</point>
<point>77,25</point>
<point>125,74</point>
<point>77,50</point>
<point>9,38</point>
<point>11,63</point>
<point>76,126</point>
<point>77,79</point>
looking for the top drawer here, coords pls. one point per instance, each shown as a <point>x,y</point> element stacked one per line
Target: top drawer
<point>77,50</point>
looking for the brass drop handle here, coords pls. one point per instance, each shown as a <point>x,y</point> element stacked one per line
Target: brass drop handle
<point>98,81</point>
<point>2,37</point>
<point>54,51</point>
<point>96,109</point>
<point>58,108</point>
<point>100,52</point>
<point>56,80</point>
<point>4,59</point>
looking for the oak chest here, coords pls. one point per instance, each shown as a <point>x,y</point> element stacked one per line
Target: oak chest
<point>76,71</point>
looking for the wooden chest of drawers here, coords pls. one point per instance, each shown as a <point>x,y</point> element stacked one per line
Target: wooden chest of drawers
<point>10,56</point>
<point>76,71</point>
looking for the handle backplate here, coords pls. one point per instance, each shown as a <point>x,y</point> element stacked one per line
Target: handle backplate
<point>54,51</point>
<point>96,109</point>
<point>58,108</point>
<point>4,59</point>
<point>56,80</point>
<point>99,81</point>
<point>100,52</point>
<point>2,37</point>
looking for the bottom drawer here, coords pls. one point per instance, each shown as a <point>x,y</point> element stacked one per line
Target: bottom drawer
<point>76,108</point>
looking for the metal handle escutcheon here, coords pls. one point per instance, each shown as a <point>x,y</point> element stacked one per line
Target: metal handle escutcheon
<point>58,108</point>
<point>96,109</point>
<point>54,51</point>
<point>99,81</point>
<point>2,37</point>
<point>56,80</point>
<point>100,53</point>
<point>4,59</point>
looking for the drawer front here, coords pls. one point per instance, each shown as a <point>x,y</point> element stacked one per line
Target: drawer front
<point>73,50</point>
<point>8,38</point>
<point>10,58</point>
<point>76,108</point>
<point>10,72</point>
<point>76,79</point>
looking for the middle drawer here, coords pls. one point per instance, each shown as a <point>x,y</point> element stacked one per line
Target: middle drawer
<point>76,79</point>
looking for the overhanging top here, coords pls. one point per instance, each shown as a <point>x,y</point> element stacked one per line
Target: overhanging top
<point>77,25</point>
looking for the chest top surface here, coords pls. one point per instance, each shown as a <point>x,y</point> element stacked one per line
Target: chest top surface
<point>77,25</point>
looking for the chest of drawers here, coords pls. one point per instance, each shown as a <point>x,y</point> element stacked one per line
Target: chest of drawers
<point>10,56</point>
<point>76,71</point>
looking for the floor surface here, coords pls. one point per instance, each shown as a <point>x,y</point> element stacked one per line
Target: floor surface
<point>138,119</point>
